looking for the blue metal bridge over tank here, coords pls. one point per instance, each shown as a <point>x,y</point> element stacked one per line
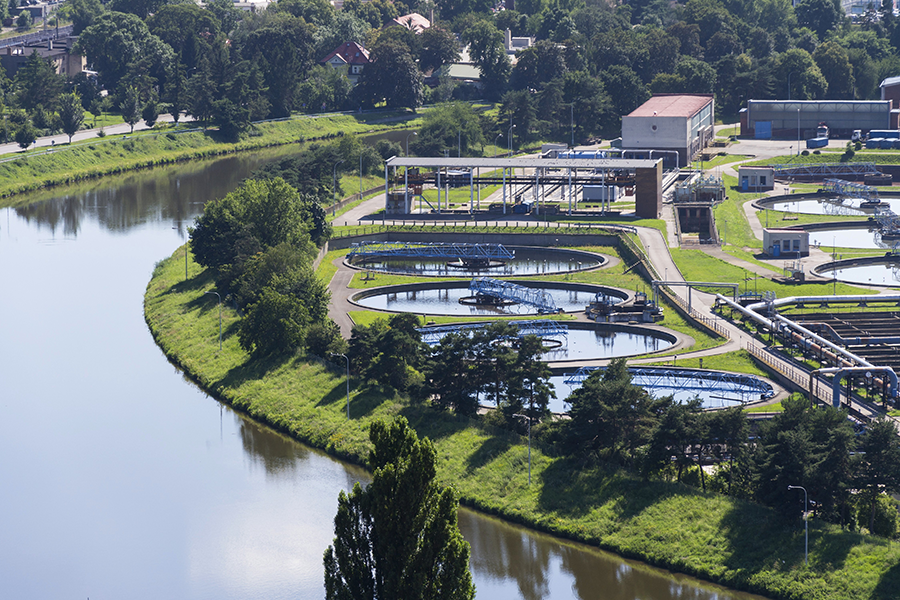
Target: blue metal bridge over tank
<point>485,252</point>
<point>825,170</point>
<point>504,290</point>
<point>847,189</point>
<point>541,328</point>
<point>686,380</point>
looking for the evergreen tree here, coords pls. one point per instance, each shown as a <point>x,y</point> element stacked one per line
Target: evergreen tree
<point>399,537</point>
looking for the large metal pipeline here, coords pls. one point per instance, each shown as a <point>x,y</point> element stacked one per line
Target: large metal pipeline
<point>825,299</point>
<point>856,341</point>
<point>839,374</point>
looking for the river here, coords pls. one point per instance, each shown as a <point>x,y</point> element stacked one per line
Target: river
<point>119,479</point>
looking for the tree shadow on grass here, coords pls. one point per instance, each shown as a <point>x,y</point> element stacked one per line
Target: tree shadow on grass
<point>573,489</point>
<point>488,451</point>
<point>423,419</point>
<point>193,284</point>
<point>252,369</point>
<point>888,587</point>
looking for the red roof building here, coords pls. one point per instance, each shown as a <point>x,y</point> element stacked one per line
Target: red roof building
<point>350,55</point>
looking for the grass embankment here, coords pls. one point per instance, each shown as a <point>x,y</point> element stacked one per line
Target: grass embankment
<point>733,542</point>
<point>69,163</point>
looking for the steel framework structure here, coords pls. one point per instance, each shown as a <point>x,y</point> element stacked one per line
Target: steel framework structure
<point>431,250</point>
<point>686,380</point>
<point>503,290</point>
<point>825,170</point>
<point>847,189</point>
<point>542,328</point>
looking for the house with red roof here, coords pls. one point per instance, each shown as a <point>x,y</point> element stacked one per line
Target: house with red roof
<point>681,123</point>
<point>350,55</point>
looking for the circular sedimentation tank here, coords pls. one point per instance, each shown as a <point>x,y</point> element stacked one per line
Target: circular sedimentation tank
<point>878,270</point>
<point>528,261</point>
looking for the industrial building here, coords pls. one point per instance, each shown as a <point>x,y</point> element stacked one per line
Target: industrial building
<point>786,242</point>
<point>799,119</point>
<point>679,123</point>
<point>756,179</point>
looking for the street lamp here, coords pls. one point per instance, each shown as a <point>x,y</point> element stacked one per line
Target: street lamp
<point>459,143</point>
<point>334,184</point>
<point>805,521</point>
<point>348,379</point>
<point>798,131</point>
<point>407,141</point>
<point>509,138</point>
<point>220,316</point>
<point>499,135</point>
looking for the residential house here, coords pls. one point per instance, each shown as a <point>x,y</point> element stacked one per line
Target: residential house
<point>350,55</point>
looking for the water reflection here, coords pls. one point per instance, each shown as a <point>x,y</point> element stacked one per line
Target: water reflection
<point>545,568</point>
<point>176,193</point>
<point>526,262</point>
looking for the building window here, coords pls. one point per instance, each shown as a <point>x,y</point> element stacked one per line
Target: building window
<point>762,180</point>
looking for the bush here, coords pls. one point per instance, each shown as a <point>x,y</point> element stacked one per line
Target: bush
<point>805,153</point>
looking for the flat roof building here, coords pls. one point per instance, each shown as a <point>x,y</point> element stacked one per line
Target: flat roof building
<point>798,119</point>
<point>681,123</point>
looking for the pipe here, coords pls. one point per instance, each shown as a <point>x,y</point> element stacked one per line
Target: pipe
<point>856,341</point>
<point>826,299</point>
<point>839,374</point>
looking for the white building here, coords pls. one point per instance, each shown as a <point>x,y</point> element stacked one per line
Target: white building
<point>675,122</point>
<point>786,243</point>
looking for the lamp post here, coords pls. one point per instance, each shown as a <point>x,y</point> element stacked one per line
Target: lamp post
<point>805,521</point>
<point>348,379</point>
<point>360,173</point>
<point>334,184</point>
<point>798,132</point>
<point>220,316</point>
<point>499,135</point>
<point>509,138</point>
<point>459,143</point>
<point>407,141</point>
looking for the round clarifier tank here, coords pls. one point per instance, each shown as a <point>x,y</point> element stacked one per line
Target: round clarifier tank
<point>450,298</point>
<point>848,207</point>
<point>590,341</point>
<point>528,260</point>
<point>865,237</point>
<point>708,398</point>
<point>866,271</point>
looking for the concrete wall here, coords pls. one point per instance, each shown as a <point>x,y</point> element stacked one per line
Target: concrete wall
<point>549,239</point>
<point>655,132</point>
<point>648,192</point>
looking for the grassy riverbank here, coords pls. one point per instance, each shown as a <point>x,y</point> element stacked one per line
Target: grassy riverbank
<point>736,543</point>
<point>65,164</point>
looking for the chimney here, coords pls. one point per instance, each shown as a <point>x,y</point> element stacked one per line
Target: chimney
<point>508,39</point>
<point>431,14</point>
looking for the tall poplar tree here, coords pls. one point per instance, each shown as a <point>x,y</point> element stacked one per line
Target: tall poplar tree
<point>398,538</point>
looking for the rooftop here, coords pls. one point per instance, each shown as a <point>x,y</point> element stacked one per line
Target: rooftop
<point>522,163</point>
<point>413,21</point>
<point>890,81</point>
<point>672,105</point>
<point>351,53</point>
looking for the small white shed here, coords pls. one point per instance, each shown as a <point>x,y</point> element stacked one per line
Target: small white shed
<point>786,243</point>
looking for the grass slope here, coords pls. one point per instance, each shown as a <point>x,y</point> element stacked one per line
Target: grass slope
<point>718,538</point>
<point>85,160</point>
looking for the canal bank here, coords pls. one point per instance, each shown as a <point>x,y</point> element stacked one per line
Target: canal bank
<point>735,543</point>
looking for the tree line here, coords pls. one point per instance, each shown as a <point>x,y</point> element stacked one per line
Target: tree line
<point>591,63</point>
<point>848,470</point>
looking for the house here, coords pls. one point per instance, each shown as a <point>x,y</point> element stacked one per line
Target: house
<point>413,21</point>
<point>756,179</point>
<point>57,51</point>
<point>350,55</point>
<point>677,123</point>
<point>786,243</point>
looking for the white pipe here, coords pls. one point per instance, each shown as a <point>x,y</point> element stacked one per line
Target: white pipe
<point>833,299</point>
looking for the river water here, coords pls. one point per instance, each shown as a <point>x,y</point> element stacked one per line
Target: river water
<point>119,479</point>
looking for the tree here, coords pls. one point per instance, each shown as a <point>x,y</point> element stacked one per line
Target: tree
<point>630,92</point>
<point>24,20</point>
<point>450,374</point>
<point>398,538</point>
<point>451,127</point>
<point>71,114</point>
<point>131,107</point>
<point>834,63</point>
<point>487,52</point>
<point>538,65</point>
<point>150,112</point>
<point>37,83</point>
<point>819,15</point>
<point>116,40</point>
<point>274,324</point>
<point>879,469</point>
<point>391,77</point>
<point>439,47</point>
<point>609,415</point>
<point>26,134</point>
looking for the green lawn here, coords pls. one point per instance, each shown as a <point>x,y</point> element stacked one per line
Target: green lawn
<point>721,539</point>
